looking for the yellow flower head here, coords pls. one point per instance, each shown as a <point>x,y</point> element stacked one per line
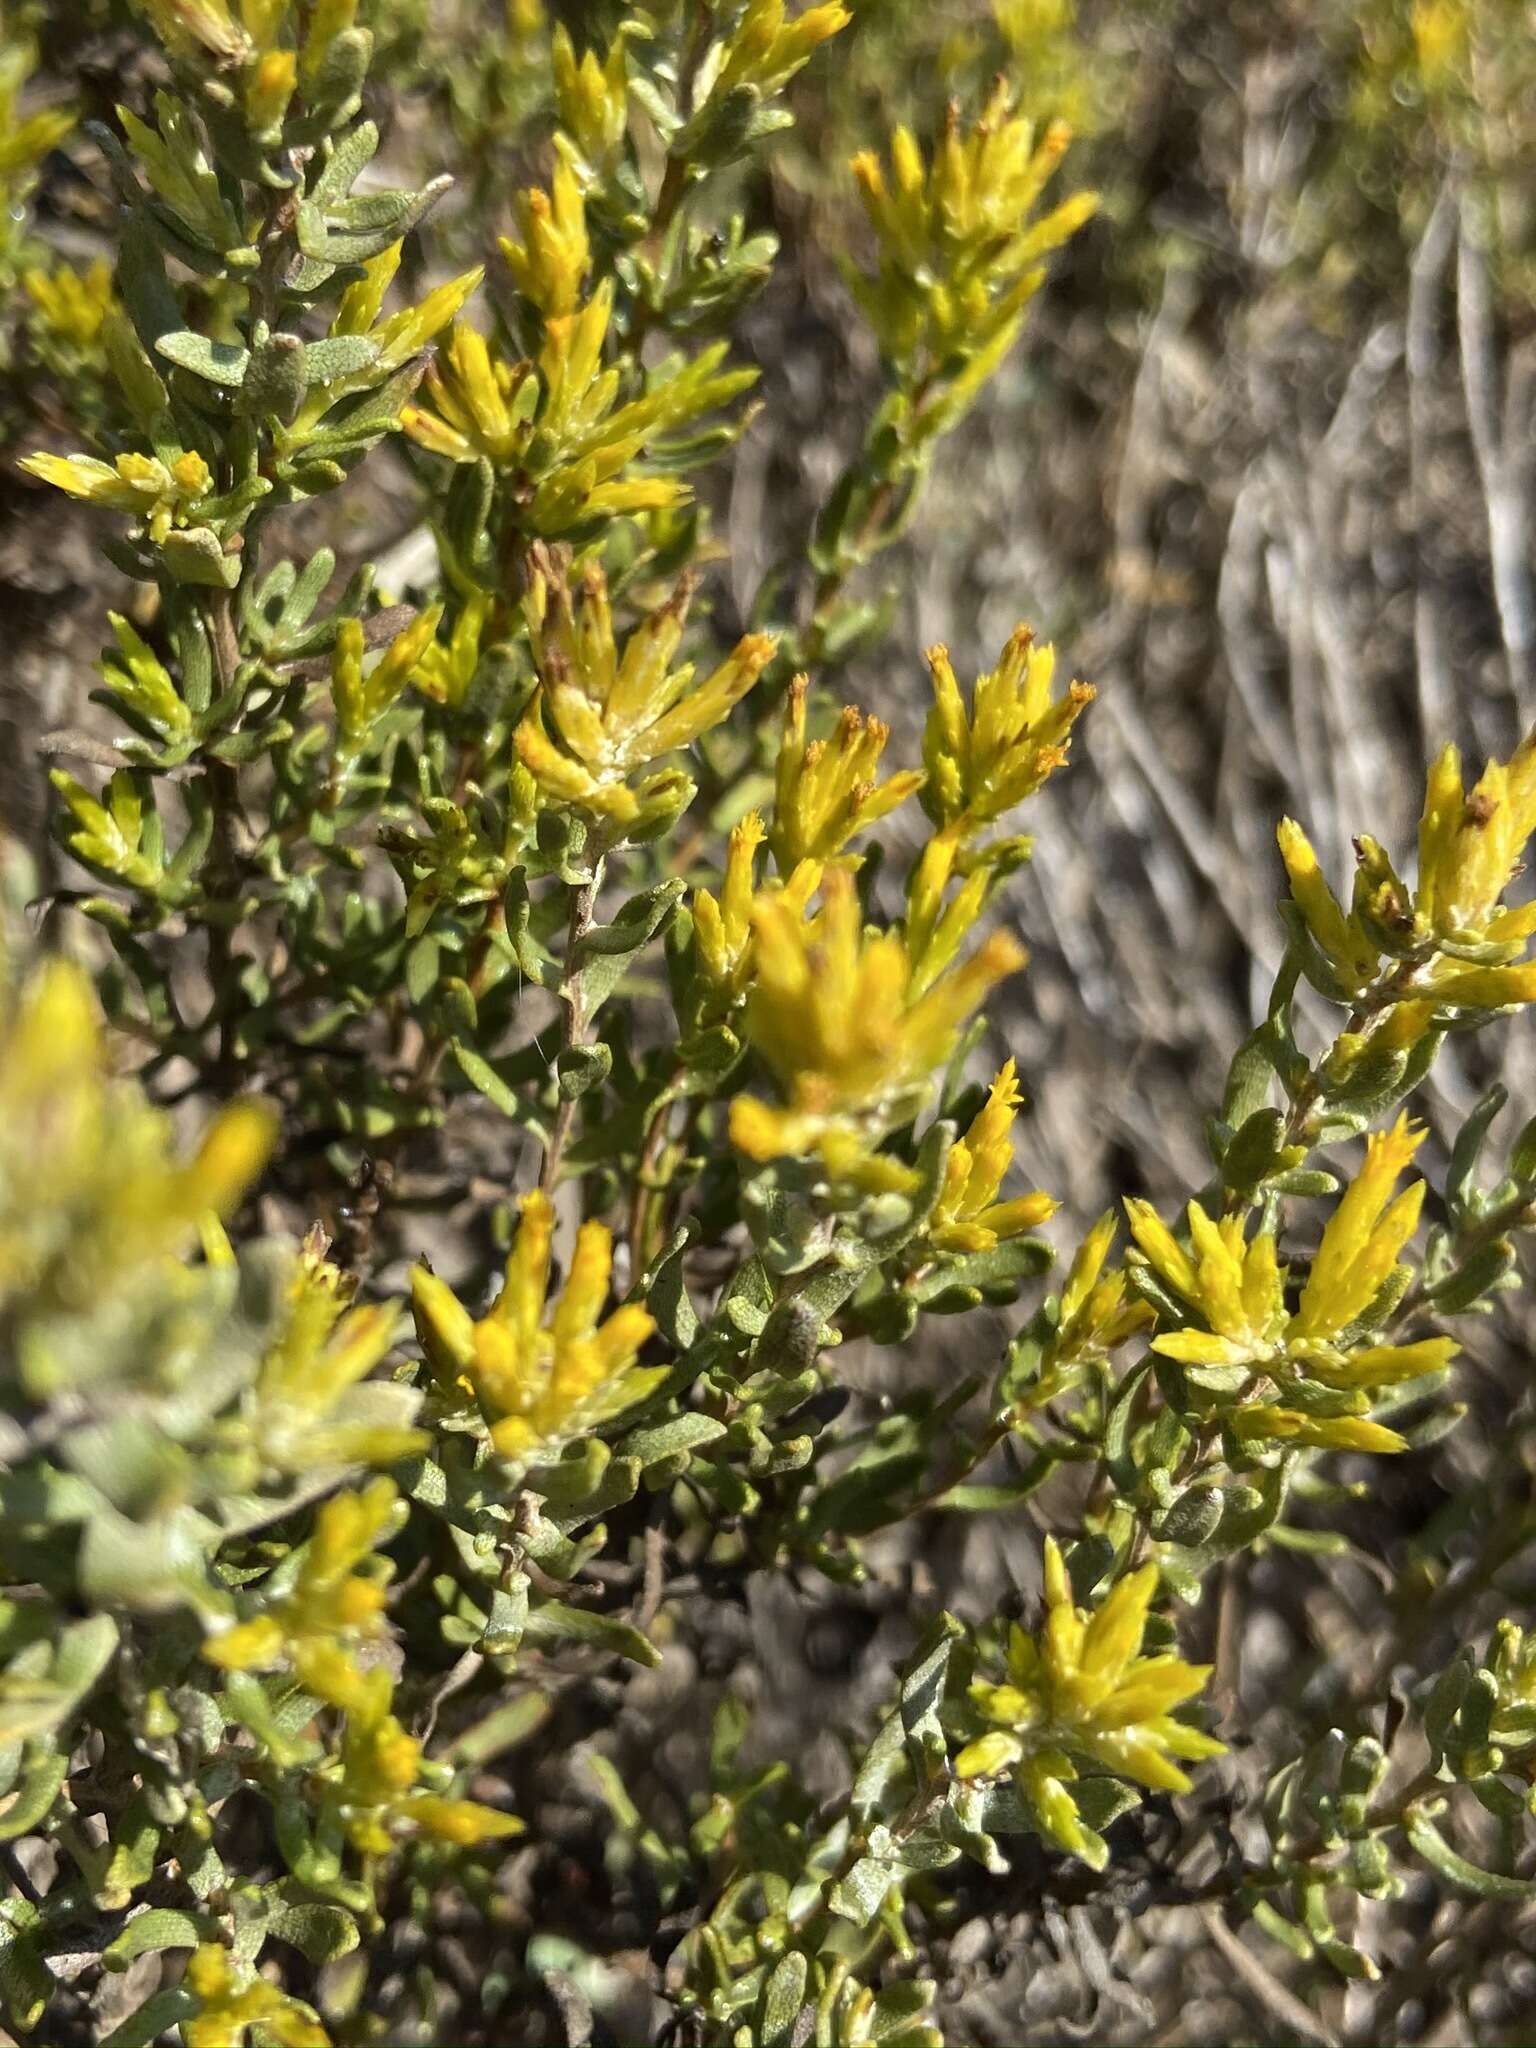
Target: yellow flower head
<point>1081,1691</point>
<point>313,1404</point>
<point>1016,734</point>
<point>541,1377</point>
<point>72,305</point>
<point>563,423</point>
<point>599,715</point>
<point>142,684</point>
<point>376,1794</point>
<point>826,791</point>
<point>1464,949</point>
<point>723,928</point>
<point>959,254</point>
<point>333,1609</point>
<point>767,50</point>
<point>232,1997</point>
<point>159,494</point>
<point>362,700</point>
<point>480,406</point>
<point>186,26</point>
<point>834,1013</point>
<point>591,99</point>
<point>92,1184</point>
<point>550,262</point>
<point>1238,1289</point>
<point>968,1216</point>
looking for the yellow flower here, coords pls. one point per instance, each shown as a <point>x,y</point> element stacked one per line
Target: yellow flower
<point>333,1608</point>
<point>72,304</point>
<point>376,1794</point>
<point>445,670</point>
<point>825,791</point>
<point>1239,1289</point>
<point>1470,844</point>
<point>600,717</point>
<point>313,1404</point>
<point>158,493</point>
<point>766,50</point>
<point>361,701</point>
<point>540,1381</point>
<point>834,1014</point>
<point>551,261</point>
<point>591,100</point>
<point>959,255</point>
<point>968,1216</point>
<point>397,337</point>
<point>1082,1692</point>
<point>92,1185</point>
<point>560,422</point>
<point>268,90</point>
<point>1015,736</point>
<point>232,1998</point>
<point>24,139</point>
<point>142,684</point>
<point>1450,942</point>
<point>185,26</point>
<point>723,929</point>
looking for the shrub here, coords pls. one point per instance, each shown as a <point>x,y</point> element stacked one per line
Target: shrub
<point>551,875</point>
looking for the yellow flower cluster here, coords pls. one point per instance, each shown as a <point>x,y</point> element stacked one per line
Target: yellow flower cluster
<point>92,1189</point>
<point>599,718</point>
<point>982,763</point>
<point>1239,1290</point>
<point>960,257</point>
<point>446,669</point>
<point>592,102</point>
<point>142,684</point>
<point>313,1405</point>
<point>767,50</point>
<point>540,1380</point>
<point>250,35</point>
<point>1449,943</point>
<point>159,494</point>
<point>362,700</point>
<point>550,263</point>
<point>333,1609</point>
<point>561,421</point>
<point>71,305</point>
<point>723,929</point>
<point>826,792</point>
<point>25,139</point>
<point>835,1014</point>
<point>332,1615</point>
<point>232,1997</point>
<point>968,1217</point>
<point>376,1792</point>
<point>1082,1692</point>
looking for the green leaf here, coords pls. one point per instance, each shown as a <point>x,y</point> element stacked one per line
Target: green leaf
<point>860,1895</point>
<point>33,1799</point>
<point>1437,1852</point>
<point>783,1996</point>
<point>158,1929</point>
<point>338,356</point>
<point>34,1706</point>
<point>320,1933</point>
<point>216,362</point>
<point>552,1623</point>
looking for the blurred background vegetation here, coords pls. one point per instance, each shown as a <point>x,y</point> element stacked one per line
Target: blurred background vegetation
<point>1262,469</point>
